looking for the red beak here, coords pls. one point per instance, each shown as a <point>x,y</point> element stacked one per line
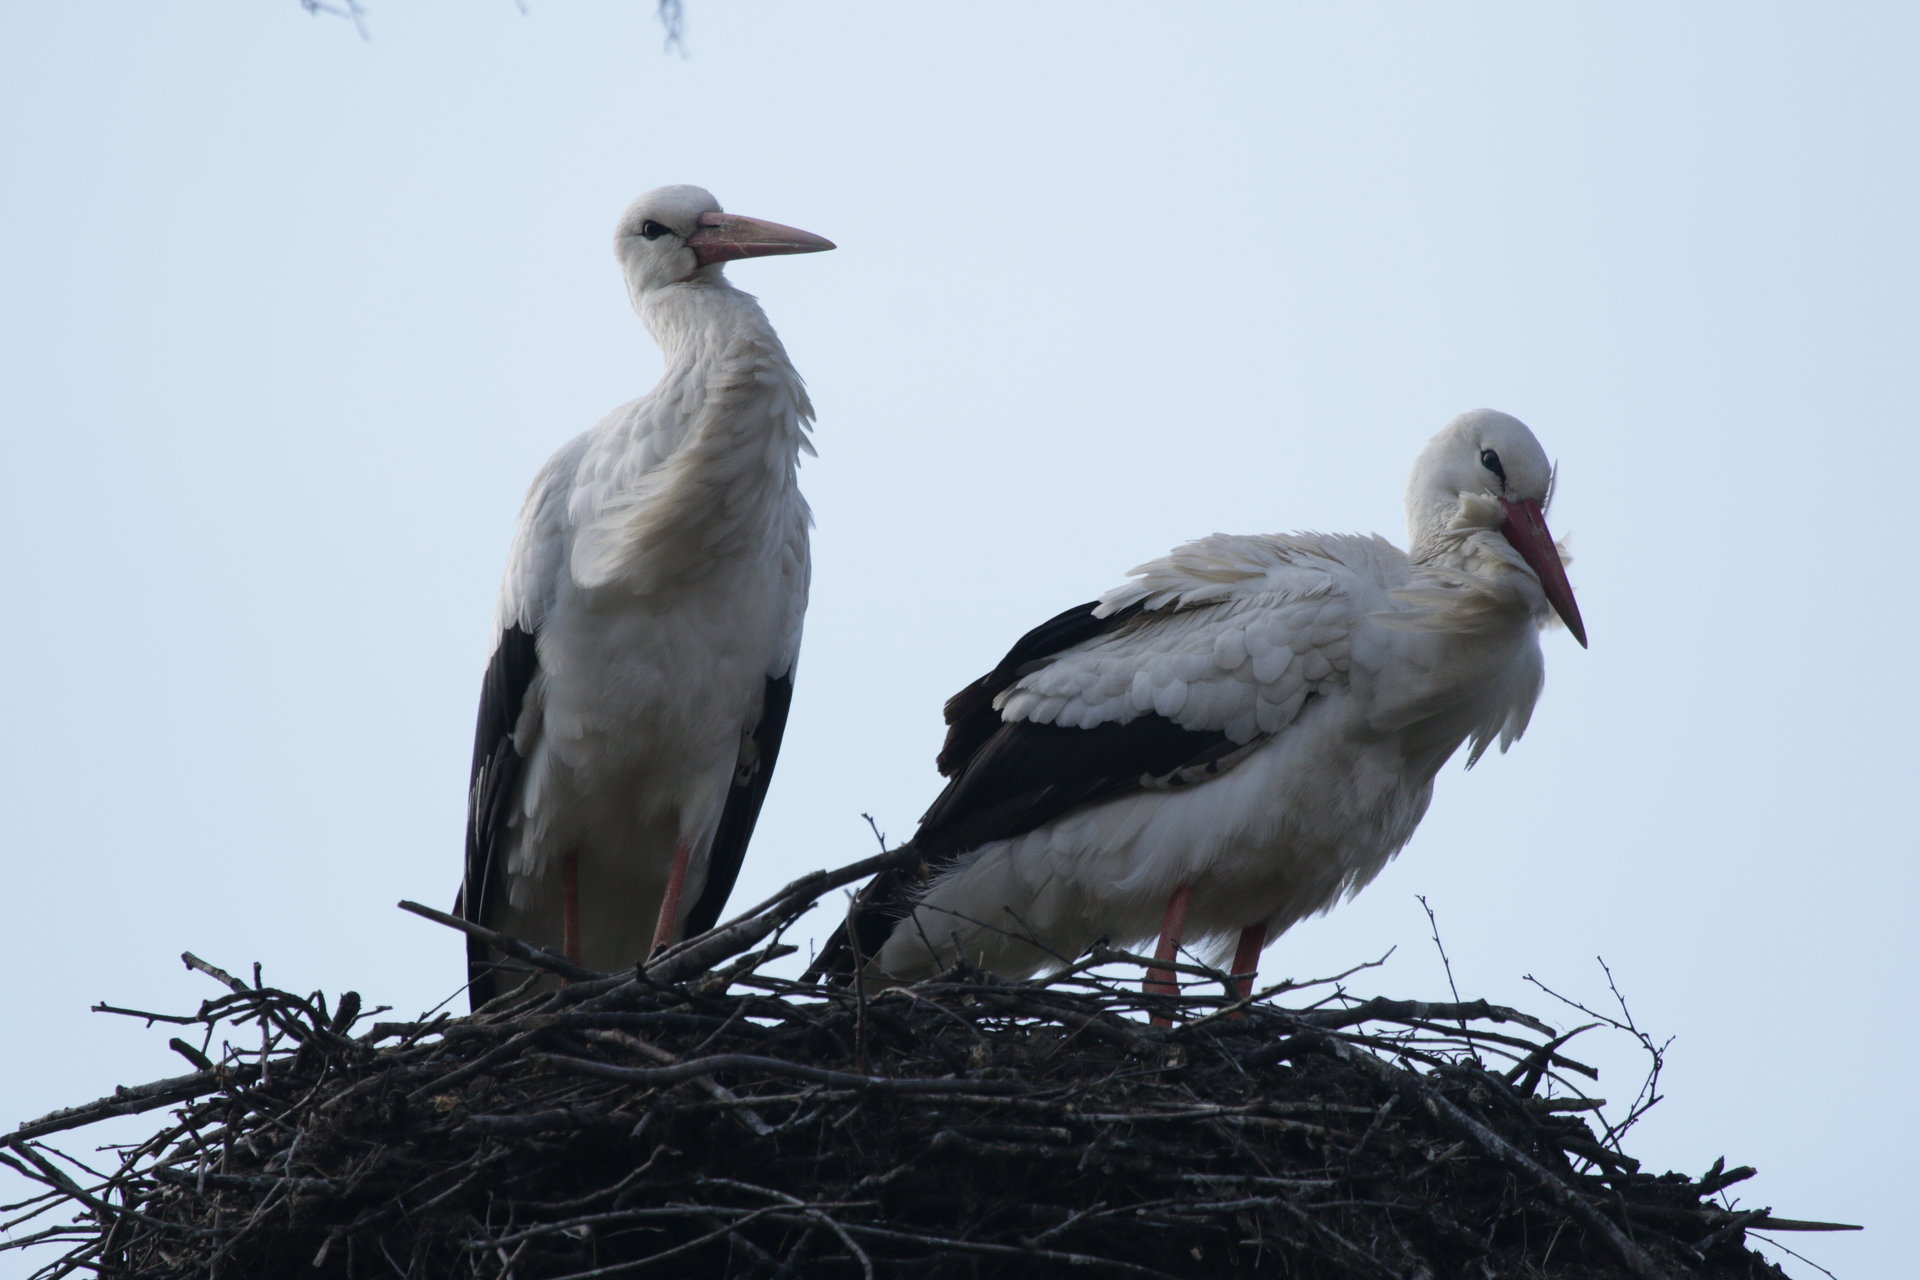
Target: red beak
<point>1526,528</point>
<point>723,237</point>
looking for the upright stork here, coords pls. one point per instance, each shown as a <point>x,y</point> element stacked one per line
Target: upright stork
<point>649,622</point>
<point>1238,737</point>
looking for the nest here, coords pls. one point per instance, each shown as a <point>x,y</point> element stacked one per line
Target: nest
<point>699,1117</point>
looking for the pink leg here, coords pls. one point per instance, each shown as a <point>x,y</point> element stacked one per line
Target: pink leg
<point>1173,926</point>
<point>570,907</point>
<point>1246,958</point>
<point>668,929</point>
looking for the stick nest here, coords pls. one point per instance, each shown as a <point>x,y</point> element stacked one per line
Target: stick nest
<point>701,1118</point>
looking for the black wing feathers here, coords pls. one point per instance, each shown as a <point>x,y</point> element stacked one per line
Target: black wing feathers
<point>971,718</point>
<point>1011,777</point>
<point>1029,774</point>
<point>495,778</point>
<point>1026,775</point>
<point>743,808</point>
<point>875,910</point>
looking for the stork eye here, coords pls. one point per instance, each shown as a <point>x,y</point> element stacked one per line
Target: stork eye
<point>1491,461</point>
<point>652,230</point>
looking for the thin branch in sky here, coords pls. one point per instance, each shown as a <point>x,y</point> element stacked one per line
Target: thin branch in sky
<point>673,20</point>
<point>342,9</point>
<point>672,15</point>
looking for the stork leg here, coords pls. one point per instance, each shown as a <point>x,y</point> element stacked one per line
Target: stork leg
<point>664,932</point>
<point>1173,927</point>
<point>1246,958</point>
<point>570,905</point>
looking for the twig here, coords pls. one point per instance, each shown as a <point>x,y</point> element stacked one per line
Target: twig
<point>1433,923</point>
<point>779,1067</point>
<point>130,1101</point>
<point>505,944</point>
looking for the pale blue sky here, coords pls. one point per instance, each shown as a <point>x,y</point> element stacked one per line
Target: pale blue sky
<point>289,320</point>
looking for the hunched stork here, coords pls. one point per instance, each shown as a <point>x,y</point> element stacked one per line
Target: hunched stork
<point>649,622</point>
<point>1240,736</point>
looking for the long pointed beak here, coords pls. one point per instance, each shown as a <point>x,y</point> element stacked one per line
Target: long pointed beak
<point>1526,528</point>
<point>723,237</point>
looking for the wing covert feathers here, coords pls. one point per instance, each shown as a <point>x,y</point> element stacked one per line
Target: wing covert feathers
<point>972,714</point>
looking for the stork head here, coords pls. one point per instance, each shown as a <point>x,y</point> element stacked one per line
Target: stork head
<point>673,235</point>
<point>1485,471</point>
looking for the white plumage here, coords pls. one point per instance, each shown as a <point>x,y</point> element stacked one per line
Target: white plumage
<point>649,621</point>
<point>1239,736</point>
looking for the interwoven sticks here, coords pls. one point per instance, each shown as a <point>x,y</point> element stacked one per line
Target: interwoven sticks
<point>703,1118</point>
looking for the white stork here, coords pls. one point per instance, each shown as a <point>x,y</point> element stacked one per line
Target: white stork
<point>1237,738</point>
<point>649,622</point>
